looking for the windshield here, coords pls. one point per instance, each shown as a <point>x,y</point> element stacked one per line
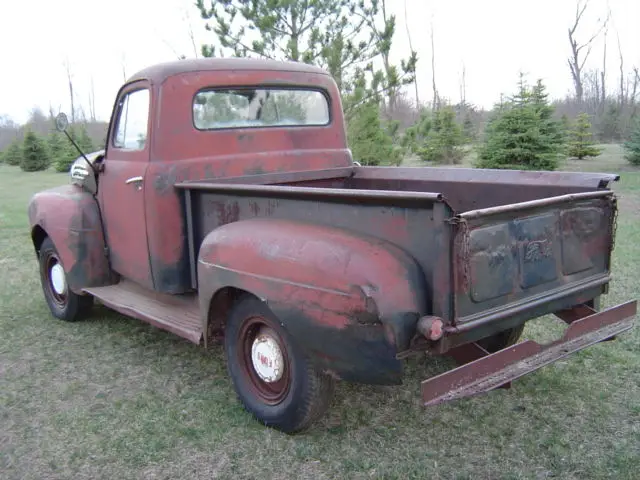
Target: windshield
<point>263,107</point>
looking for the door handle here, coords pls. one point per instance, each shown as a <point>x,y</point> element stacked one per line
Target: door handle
<point>133,180</point>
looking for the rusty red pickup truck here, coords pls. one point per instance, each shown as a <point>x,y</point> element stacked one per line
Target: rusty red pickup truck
<point>227,208</point>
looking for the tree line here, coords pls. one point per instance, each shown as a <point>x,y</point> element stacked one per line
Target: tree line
<point>352,40</point>
<point>37,146</point>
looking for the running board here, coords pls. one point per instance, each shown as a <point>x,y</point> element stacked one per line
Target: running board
<point>586,327</point>
<point>178,314</point>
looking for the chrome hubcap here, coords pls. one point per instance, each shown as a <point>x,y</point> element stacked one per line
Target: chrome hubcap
<point>267,358</point>
<point>58,281</point>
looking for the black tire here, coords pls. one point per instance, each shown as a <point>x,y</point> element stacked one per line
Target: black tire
<point>501,340</point>
<point>67,305</point>
<point>300,395</point>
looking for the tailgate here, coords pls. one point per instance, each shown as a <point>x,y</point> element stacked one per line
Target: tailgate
<point>511,258</point>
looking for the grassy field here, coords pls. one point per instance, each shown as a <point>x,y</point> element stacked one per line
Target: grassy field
<point>114,398</point>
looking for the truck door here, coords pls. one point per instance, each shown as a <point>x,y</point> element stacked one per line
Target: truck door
<point>122,184</point>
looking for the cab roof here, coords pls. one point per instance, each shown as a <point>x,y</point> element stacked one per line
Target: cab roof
<point>160,72</point>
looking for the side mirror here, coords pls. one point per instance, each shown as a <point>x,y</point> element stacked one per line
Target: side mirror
<point>62,122</point>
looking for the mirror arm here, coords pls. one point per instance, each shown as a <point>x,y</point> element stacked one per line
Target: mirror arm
<point>95,172</point>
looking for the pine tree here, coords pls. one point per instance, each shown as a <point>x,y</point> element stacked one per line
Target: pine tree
<point>66,157</point>
<point>443,143</point>
<point>468,128</point>
<point>415,136</point>
<point>632,146</point>
<point>13,155</point>
<point>581,142</point>
<point>522,134</point>
<point>84,140</point>
<point>549,128</point>
<point>57,145</point>
<point>370,144</point>
<point>35,153</point>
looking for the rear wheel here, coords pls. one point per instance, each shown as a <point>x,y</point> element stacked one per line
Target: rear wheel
<point>501,340</point>
<point>273,378</point>
<point>63,303</point>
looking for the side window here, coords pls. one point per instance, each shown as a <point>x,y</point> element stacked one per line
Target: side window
<point>133,118</point>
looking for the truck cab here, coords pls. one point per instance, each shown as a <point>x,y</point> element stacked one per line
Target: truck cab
<point>227,206</point>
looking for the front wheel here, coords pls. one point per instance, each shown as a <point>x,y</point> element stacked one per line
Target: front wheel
<point>63,303</point>
<point>273,378</point>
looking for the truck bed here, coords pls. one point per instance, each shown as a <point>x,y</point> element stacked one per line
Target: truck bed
<point>492,244</point>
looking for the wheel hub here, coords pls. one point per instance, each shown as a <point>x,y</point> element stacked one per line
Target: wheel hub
<point>58,281</point>
<point>267,358</point>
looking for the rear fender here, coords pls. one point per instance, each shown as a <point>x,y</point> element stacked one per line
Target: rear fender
<point>70,216</point>
<point>351,301</point>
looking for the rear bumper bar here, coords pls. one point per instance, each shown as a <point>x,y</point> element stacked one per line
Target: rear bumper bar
<point>489,371</point>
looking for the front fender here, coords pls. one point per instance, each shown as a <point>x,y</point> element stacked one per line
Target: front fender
<point>350,300</point>
<point>70,216</point>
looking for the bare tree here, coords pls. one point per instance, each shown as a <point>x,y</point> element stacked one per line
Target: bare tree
<point>190,28</point>
<point>622,76</point>
<point>124,72</point>
<point>577,60</point>
<point>634,89</point>
<point>463,86</point>
<point>415,77</point>
<point>434,105</point>
<point>71,98</point>
<point>603,73</point>
<point>92,102</point>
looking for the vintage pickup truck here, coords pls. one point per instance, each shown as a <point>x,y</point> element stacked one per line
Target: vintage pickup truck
<point>226,207</point>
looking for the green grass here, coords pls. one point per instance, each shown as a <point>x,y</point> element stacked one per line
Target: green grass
<point>114,398</point>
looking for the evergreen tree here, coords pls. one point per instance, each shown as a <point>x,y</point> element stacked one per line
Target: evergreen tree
<point>632,146</point>
<point>468,128</point>
<point>522,134</point>
<point>565,127</point>
<point>13,155</point>
<point>67,154</point>
<point>84,140</point>
<point>581,143</point>
<point>35,153</point>
<point>415,136</point>
<point>57,145</point>
<point>443,143</point>
<point>370,144</point>
<point>549,128</point>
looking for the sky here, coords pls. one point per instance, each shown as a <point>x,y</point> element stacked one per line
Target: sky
<point>104,40</point>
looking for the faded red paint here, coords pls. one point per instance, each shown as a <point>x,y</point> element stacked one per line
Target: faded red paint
<point>179,152</point>
<point>124,203</point>
<point>327,272</point>
<point>70,217</point>
<point>348,258</point>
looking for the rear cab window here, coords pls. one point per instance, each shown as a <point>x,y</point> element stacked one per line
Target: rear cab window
<point>222,108</point>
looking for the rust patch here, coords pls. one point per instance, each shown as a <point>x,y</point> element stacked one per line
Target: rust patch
<point>70,217</point>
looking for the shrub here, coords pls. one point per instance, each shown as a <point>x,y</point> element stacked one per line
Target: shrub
<point>581,143</point>
<point>369,141</point>
<point>13,155</point>
<point>443,143</point>
<point>35,156</point>
<point>522,133</point>
<point>632,146</point>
